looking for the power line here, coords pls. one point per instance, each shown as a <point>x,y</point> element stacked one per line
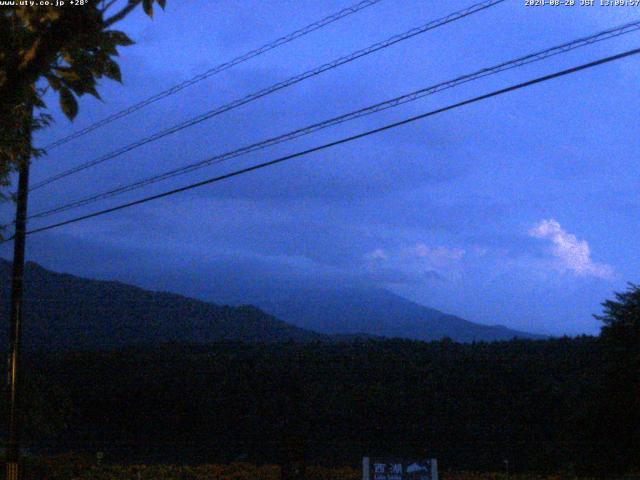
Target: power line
<point>343,140</point>
<point>276,87</point>
<point>217,69</point>
<point>524,60</point>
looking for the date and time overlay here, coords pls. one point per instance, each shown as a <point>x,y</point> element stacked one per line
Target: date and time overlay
<point>527,3</point>
<point>582,3</point>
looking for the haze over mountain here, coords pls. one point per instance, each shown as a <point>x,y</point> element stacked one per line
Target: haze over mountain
<point>66,311</point>
<point>371,311</point>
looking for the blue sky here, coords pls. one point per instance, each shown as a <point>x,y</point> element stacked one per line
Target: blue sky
<point>521,210</point>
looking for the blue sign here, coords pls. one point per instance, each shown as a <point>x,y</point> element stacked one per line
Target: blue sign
<point>394,469</point>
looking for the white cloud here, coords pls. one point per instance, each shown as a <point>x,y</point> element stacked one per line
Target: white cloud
<point>416,263</point>
<point>437,256</point>
<point>571,254</point>
<point>377,254</point>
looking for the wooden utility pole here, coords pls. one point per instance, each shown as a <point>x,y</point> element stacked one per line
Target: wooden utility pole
<point>17,282</point>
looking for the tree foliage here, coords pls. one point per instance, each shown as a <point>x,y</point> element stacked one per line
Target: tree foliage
<point>620,409</point>
<point>621,317</point>
<point>544,405</point>
<point>67,49</point>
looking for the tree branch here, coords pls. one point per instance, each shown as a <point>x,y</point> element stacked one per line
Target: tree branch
<point>122,13</point>
<point>108,5</point>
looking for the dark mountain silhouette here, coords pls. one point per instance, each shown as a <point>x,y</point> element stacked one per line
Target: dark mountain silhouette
<point>373,311</point>
<point>65,311</point>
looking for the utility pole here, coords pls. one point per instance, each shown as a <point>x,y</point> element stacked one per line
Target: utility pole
<point>17,281</point>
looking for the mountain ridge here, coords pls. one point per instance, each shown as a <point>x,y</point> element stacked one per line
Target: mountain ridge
<point>376,311</point>
<point>67,311</point>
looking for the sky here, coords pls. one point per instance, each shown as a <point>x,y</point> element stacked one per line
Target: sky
<point>520,210</point>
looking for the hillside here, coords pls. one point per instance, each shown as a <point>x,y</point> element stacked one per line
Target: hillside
<point>374,311</point>
<point>65,311</point>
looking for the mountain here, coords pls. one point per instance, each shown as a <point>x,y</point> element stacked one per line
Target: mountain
<point>372,311</point>
<point>65,311</point>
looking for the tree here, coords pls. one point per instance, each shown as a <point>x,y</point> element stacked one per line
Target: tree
<point>621,317</point>
<point>619,406</point>
<point>65,48</point>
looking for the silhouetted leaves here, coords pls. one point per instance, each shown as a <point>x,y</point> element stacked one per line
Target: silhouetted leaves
<point>621,317</point>
<point>68,103</point>
<point>147,5</point>
<point>69,47</point>
<point>112,70</point>
<point>117,37</point>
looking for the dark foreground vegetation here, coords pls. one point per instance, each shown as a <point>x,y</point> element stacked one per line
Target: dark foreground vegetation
<point>567,405</point>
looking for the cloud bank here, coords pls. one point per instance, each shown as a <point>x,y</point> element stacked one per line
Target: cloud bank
<point>571,254</point>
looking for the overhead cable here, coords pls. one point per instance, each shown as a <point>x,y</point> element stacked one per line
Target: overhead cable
<point>460,14</point>
<point>387,104</point>
<point>351,138</point>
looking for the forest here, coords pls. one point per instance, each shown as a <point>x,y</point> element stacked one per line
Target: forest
<point>559,405</point>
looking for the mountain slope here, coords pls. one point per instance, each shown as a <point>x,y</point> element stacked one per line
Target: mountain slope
<point>376,312</point>
<point>64,311</point>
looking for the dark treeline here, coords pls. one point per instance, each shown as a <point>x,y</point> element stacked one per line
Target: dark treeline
<point>552,405</point>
